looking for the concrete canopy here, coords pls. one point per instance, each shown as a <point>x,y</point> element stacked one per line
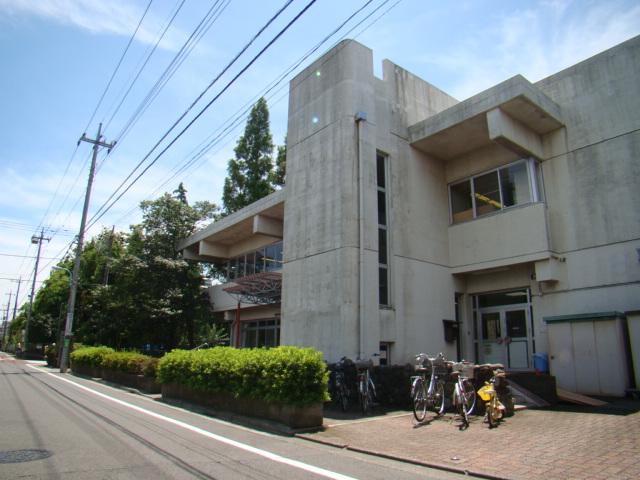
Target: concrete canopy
<point>254,226</point>
<point>514,113</point>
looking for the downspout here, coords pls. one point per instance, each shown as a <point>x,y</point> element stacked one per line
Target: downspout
<point>360,117</point>
<point>237,327</point>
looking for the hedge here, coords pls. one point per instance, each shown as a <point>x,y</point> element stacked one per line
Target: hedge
<point>286,375</point>
<point>130,362</point>
<point>90,356</point>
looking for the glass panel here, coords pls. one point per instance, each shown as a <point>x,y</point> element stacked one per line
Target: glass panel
<point>382,208</point>
<point>383,290</point>
<point>516,324</point>
<point>233,269</point>
<point>461,205</point>
<point>273,257</point>
<point>514,182</point>
<point>382,246</point>
<point>486,193</point>
<point>491,326</point>
<point>241,266</point>
<point>380,171</point>
<point>259,264</point>
<point>503,298</point>
<point>251,264</point>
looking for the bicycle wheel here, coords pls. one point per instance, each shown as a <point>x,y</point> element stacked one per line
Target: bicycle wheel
<point>468,393</point>
<point>419,401</point>
<point>342,398</point>
<point>493,413</point>
<point>438,400</point>
<point>364,401</point>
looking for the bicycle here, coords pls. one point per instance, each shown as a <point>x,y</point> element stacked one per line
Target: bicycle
<point>464,393</point>
<point>366,387</point>
<point>341,390</point>
<point>494,409</point>
<point>431,396</point>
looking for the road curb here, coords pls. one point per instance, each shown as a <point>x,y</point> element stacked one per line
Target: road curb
<point>438,466</point>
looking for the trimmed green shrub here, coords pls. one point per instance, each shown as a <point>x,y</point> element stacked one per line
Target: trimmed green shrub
<point>130,362</point>
<point>287,375</point>
<point>51,353</point>
<point>90,356</point>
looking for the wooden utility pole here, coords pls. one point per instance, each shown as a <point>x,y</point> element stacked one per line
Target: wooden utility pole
<point>68,328</point>
<point>39,241</point>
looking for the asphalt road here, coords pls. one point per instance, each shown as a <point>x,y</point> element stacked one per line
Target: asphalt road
<point>55,426</point>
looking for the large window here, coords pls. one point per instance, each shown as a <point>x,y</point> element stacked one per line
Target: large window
<point>267,259</point>
<point>513,184</point>
<point>261,333</point>
<point>383,257</point>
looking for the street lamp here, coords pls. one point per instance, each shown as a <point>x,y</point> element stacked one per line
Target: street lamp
<point>64,269</point>
<point>61,339</point>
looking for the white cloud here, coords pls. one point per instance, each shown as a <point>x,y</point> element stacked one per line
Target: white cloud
<point>536,42</point>
<point>115,17</point>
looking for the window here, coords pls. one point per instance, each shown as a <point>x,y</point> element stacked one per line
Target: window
<point>268,259</point>
<point>383,256</point>
<point>489,192</point>
<point>261,333</point>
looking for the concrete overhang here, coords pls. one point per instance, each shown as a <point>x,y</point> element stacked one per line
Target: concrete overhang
<point>254,226</point>
<point>514,113</point>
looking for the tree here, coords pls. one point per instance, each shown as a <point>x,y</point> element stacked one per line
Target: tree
<point>152,294</point>
<point>278,176</point>
<point>250,172</point>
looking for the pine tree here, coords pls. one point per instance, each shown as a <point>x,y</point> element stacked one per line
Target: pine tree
<point>278,177</point>
<point>250,172</point>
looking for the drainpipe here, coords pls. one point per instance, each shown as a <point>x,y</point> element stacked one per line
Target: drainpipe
<point>360,117</point>
<point>237,329</point>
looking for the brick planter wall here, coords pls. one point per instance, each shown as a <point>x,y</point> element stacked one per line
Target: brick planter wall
<point>140,382</point>
<point>291,416</point>
<point>86,370</point>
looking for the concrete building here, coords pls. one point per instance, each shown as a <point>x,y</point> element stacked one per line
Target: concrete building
<point>496,228</point>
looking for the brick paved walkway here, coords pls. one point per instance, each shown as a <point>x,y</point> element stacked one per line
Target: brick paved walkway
<point>533,444</point>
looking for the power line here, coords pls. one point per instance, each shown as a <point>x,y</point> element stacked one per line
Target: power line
<point>25,256</point>
<point>155,46</point>
<point>205,24</point>
<point>234,121</point>
<point>71,159</point>
<point>104,208</point>
<point>115,71</point>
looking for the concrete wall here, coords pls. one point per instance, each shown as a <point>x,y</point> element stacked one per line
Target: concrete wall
<point>321,238</point>
<point>592,185</point>
<point>584,236</point>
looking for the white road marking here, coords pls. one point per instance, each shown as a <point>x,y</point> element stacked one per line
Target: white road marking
<point>242,446</point>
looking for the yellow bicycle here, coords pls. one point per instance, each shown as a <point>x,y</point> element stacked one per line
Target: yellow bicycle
<point>494,409</point>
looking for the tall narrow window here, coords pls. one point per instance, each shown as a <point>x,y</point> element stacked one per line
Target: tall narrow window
<point>383,257</point>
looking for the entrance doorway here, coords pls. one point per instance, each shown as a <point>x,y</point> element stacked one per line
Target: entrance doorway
<point>504,332</point>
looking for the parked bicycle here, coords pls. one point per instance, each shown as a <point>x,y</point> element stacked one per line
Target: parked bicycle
<point>428,395</point>
<point>341,388</point>
<point>494,409</point>
<point>366,387</point>
<point>464,393</point>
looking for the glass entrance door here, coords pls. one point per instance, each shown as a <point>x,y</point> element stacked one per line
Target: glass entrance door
<point>505,336</point>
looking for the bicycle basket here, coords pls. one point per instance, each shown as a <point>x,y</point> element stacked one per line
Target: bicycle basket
<point>468,370</point>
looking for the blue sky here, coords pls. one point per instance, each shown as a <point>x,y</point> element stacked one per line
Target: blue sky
<point>58,55</point>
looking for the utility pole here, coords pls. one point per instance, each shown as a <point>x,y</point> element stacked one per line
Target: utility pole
<point>6,321</point>
<point>15,305</point>
<point>106,265</point>
<point>34,240</point>
<point>68,329</point>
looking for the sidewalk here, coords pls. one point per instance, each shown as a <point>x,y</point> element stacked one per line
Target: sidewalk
<point>565,443</point>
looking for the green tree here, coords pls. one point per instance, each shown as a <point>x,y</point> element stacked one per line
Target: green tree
<point>278,176</point>
<point>250,172</point>
<point>134,288</point>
